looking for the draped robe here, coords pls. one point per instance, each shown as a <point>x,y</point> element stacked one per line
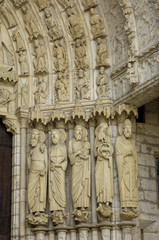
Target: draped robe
<point>127,164</point>
<point>37,182</point>
<point>80,172</point>
<point>57,195</point>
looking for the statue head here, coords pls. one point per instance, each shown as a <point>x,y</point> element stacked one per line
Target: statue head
<point>127,128</point>
<point>81,73</point>
<point>68,11</point>
<point>92,12</point>
<point>34,139</point>
<point>55,134</point>
<point>47,13</point>
<point>102,70</point>
<point>78,133</point>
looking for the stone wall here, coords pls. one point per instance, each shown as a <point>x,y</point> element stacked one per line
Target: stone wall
<point>147,141</point>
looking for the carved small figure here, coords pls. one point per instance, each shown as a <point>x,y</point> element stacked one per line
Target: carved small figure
<point>79,155</point>
<point>19,41</point>
<point>59,54</point>
<point>24,94</point>
<point>37,182</point>
<point>41,93</point>
<point>80,55</point>
<point>75,25</point>
<point>23,63</point>
<point>88,4</point>
<point>104,171</point>
<point>82,88</point>
<point>52,26</point>
<point>102,58</point>
<point>102,83</point>
<point>97,25</point>
<point>42,4</point>
<point>61,88</point>
<point>40,58</point>
<point>58,165</point>
<point>127,165</point>
<point>30,23</point>
<point>8,16</point>
<point>64,3</point>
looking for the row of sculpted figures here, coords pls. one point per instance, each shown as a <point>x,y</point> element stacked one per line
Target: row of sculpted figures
<point>80,159</point>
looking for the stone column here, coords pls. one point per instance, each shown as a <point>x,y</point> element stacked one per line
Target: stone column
<point>61,234</point>
<point>73,234</point>
<point>51,235</point>
<point>126,230</point>
<point>94,233</point>
<point>83,233</point>
<point>105,229</point>
<point>40,233</point>
<point>23,118</point>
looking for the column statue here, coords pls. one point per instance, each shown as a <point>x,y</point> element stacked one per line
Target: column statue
<point>58,165</point>
<point>37,182</point>
<point>127,164</point>
<point>104,171</point>
<point>79,155</point>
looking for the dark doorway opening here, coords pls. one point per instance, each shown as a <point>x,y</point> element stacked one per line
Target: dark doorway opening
<point>5,182</point>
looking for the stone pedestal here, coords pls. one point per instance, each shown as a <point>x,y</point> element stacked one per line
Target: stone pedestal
<point>127,230</point>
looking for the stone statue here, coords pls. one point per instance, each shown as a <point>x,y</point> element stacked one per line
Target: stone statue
<point>127,164</point>
<point>41,92</point>
<point>82,88</point>
<point>103,171</point>
<point>88,4</point>
<point>24,94</point>
<point>102,83</point>
<point>98,29</point>
<point>102,58</point>
<point>80,55</point>
<point>8,16</point>
<point>37,182</point>
<point>58,165</point>
<point>42,4</point>
<point>52,26</point>
<point>19,41</point>
<point>75,25</point>
<point>61,88</point>
<point>79,155</point>
<point>30,23</point>
<point>59,53</point>
<point>64,3</point>
<point>40,58</point>
<point>23,63</point>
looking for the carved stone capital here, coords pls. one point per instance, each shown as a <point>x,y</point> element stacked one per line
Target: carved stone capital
<point>36,116</point>
<point>22,114</point>
<point>12,124</point>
